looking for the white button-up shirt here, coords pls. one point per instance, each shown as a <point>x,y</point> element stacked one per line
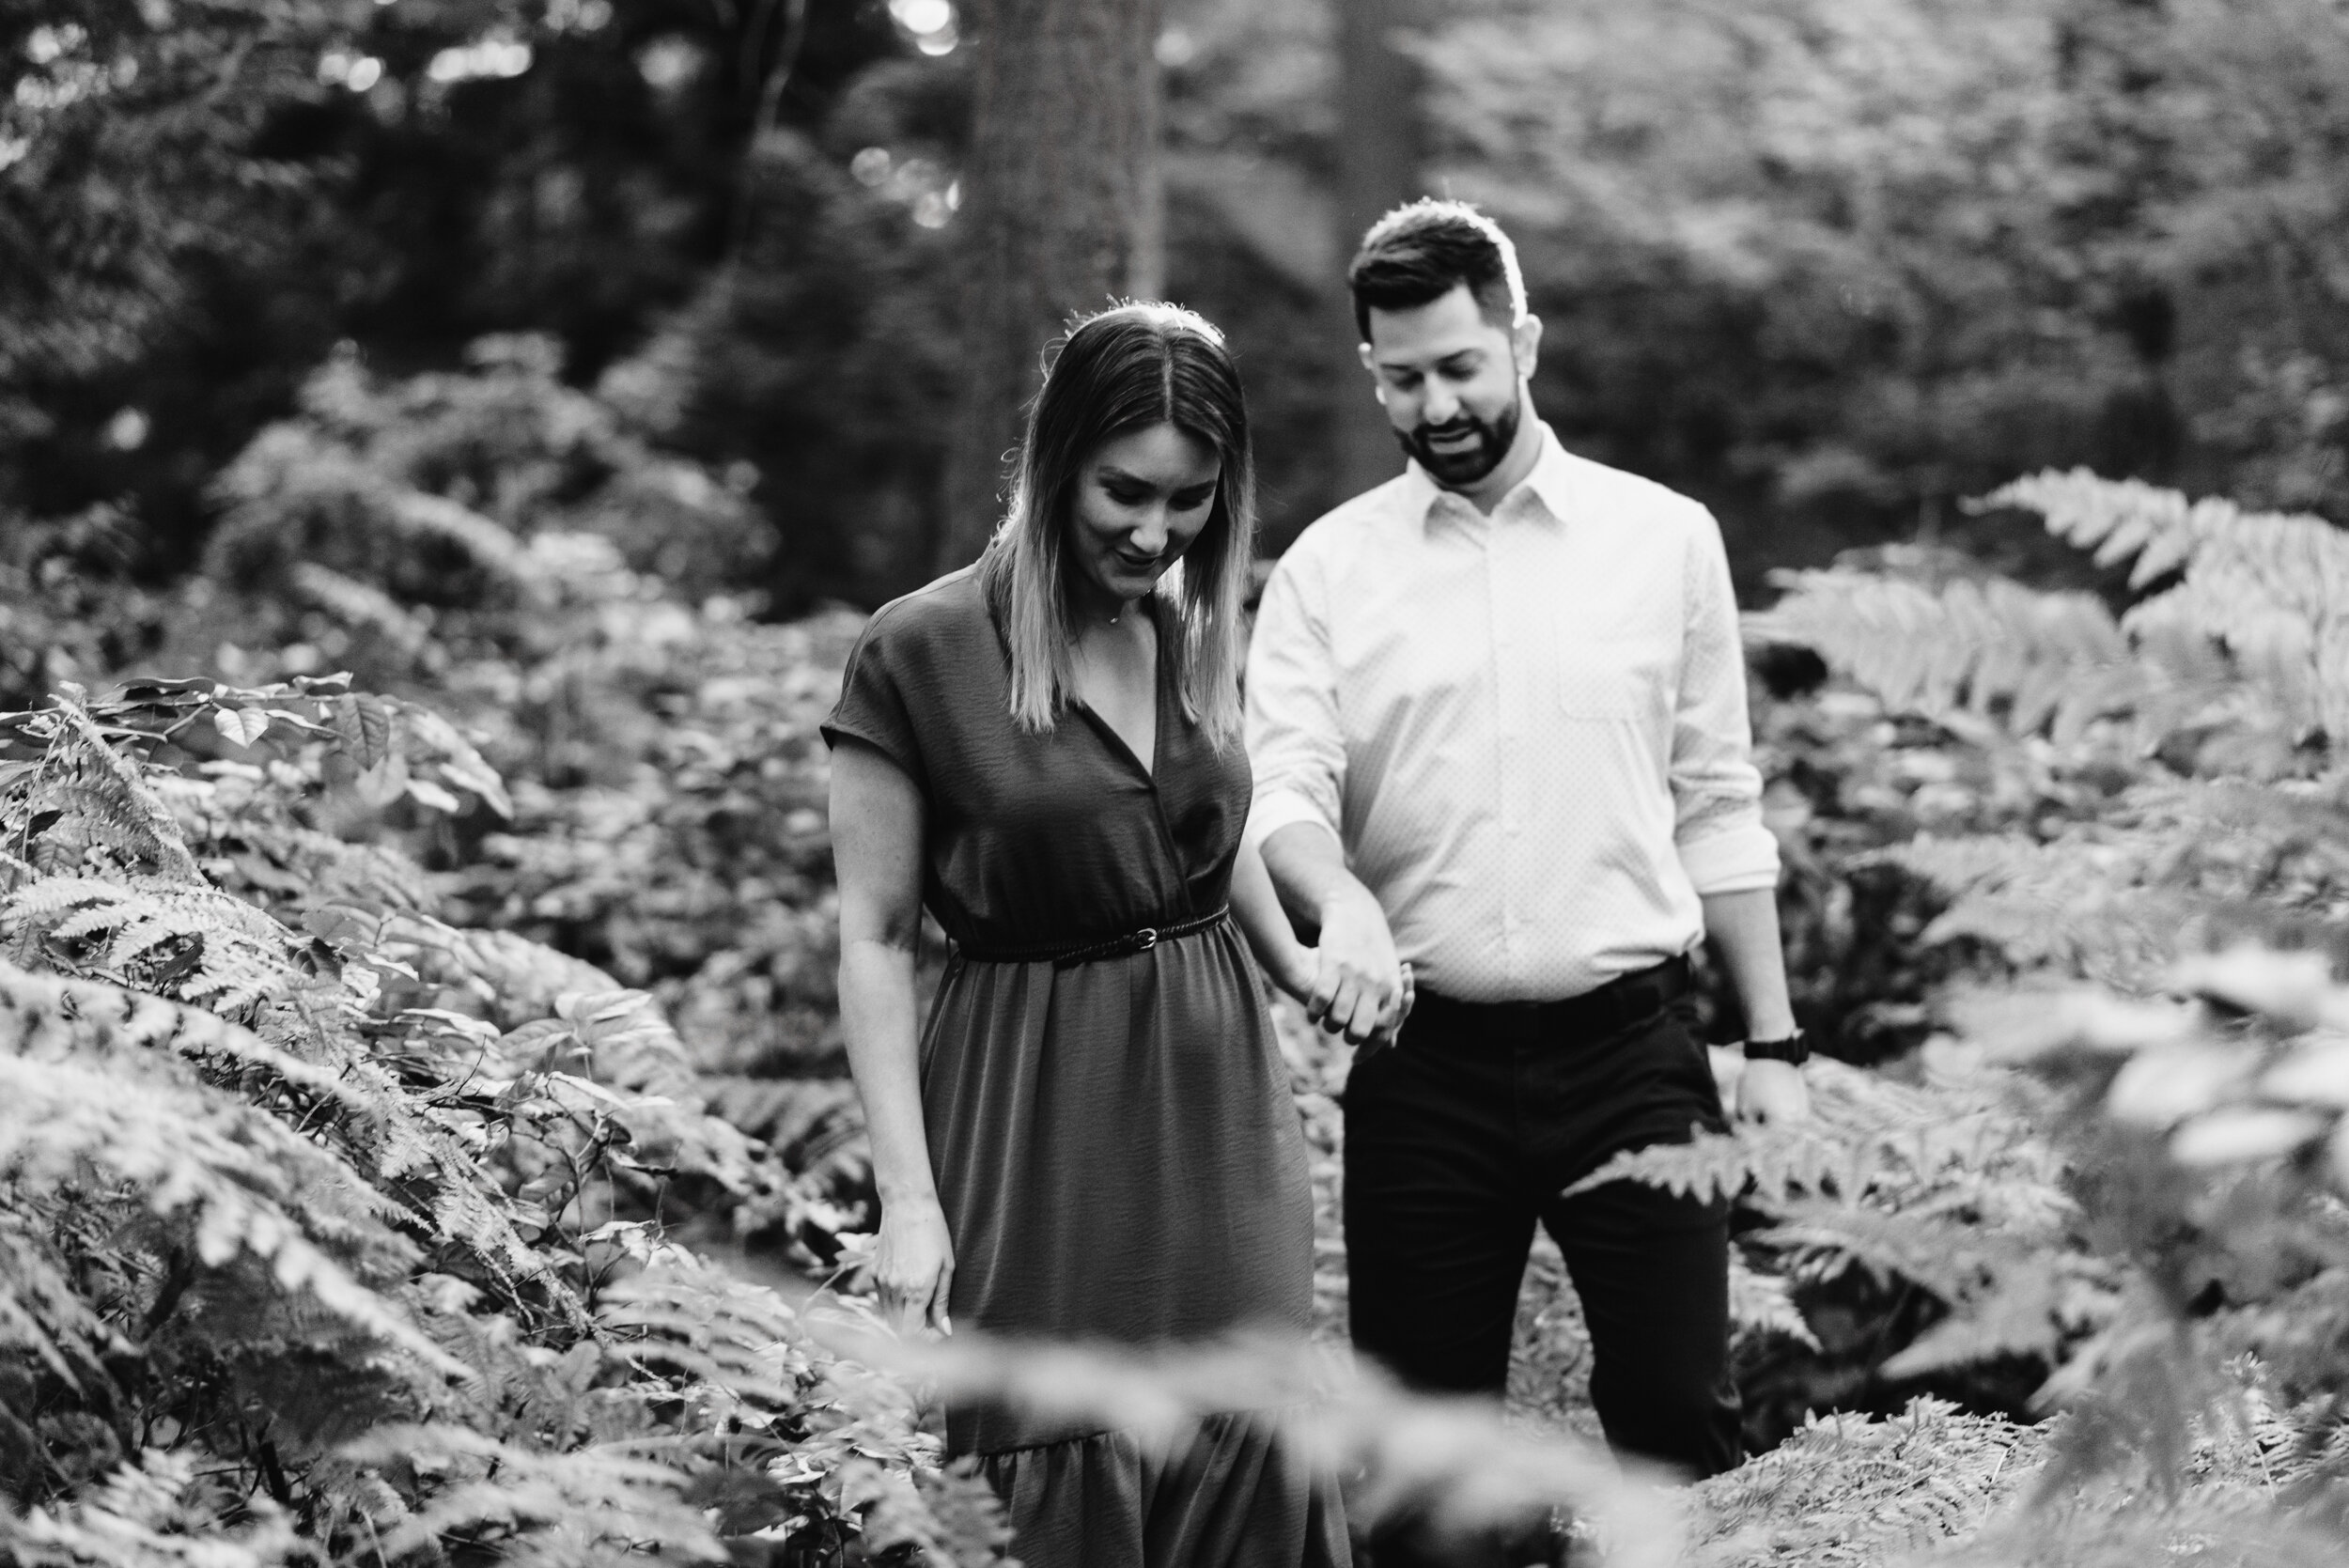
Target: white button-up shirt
<point>1528,730</point>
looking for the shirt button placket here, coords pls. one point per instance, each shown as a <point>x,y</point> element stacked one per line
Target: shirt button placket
<point>1510,751</point>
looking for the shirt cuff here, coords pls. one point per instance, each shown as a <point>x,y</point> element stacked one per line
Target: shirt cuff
<point>1737,860</point>
<point>1275,809</point>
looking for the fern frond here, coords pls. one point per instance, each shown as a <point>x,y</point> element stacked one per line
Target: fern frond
<point>117,786</point>
<point>41,1310</point>
<point>240,954</point>
<point>49,1018</point>
<point>434,740</point>
<point>1772,1165</point>
<point>424,516</point>
<point>155,1514</point>
<point>2128,1532</point>
<point>1762,1304</point>
<point>1956,1262</point>
<point>519,979</point>
<point>2046,660</point>
<point>319,868</point>
<point>2301,1336</point>
<point>594,1505</point>
<point>625,1040</point>
<point>361,606</point>
<point>228,1173</point>
<point>2073,903</point>
<point>1845,1489</point>
<point>2305,557</point>
<point>2014,1316</point>
<point>2268,585</point>
<point>2119,520</point>
<point>742,1338</point>
<point>1866,1135</point>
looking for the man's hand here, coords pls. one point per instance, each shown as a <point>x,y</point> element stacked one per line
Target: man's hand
<point>1357,982</point>
<point>1772,1091</point>
<point>1389,1029</point>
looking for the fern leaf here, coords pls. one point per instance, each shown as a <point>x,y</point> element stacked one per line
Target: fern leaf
<point>2049,660</point>
<point>361,606</point>
<point>741,1338</point>
<point>226,1171</point>
<point>2118,519</point>
<point>161,831</point>
<point>150,832</point>
<point>2267,585</point>
<point>157,1513</point>
<point>42,1311</point>
<point>1762,1304</point>
<point>591,1505</point>
<point>1772,1163</point>
<point>1845,1489</point>
<point>44,1018</point>
<point>2127,1532</point>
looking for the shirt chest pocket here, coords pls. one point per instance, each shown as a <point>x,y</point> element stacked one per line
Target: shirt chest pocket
<point>1628,677</point>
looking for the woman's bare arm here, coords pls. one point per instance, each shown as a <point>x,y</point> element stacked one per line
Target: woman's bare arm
<point>876,822</point>
<point>1266,925</point>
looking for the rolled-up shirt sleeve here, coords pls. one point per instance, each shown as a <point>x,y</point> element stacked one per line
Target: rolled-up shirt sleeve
<point>1295,744</point>
<point>1717,791</point>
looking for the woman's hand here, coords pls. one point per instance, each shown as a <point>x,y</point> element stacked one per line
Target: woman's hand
<point>913,1266</point>
<point>1289,964</point>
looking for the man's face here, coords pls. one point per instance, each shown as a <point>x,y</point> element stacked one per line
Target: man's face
<point>1448,379</point>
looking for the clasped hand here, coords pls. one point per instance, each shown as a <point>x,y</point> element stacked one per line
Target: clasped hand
<point>1358,989</point>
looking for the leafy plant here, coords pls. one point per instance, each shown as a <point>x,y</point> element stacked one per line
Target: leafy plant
<point>2122,1157</point>
<point>298,1257</point>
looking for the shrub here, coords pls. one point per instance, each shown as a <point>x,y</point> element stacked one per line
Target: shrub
<point>300,1256</point>
<point>2123,1157</point>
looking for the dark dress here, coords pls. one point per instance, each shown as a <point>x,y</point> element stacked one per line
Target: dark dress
<point>1114,1142</point>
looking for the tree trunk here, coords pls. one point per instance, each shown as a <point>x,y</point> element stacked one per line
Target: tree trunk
<point>1377,170</point>
<point>1061,212</point>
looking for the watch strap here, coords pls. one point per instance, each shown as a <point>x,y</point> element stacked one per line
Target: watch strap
<point>1793,1047</point>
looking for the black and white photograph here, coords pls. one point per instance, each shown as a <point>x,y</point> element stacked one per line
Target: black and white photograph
<point>1173,783</point>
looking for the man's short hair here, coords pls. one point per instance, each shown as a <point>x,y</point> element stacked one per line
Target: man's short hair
<point>1419,253</point>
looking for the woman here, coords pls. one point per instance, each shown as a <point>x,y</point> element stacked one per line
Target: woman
<point>1095,1138</point>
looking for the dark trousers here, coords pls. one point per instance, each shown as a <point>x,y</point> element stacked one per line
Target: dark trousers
<point>1468,1131</point>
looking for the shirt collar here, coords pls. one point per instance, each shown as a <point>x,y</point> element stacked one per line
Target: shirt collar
<point>1551,482</point>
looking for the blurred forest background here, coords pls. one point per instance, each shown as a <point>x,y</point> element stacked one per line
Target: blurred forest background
<point>1830,265</point>
<point>446,450</point>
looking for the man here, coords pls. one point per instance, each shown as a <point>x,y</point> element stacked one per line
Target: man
<point>1497,713</point>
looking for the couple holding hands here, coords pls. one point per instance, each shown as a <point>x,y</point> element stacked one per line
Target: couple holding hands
<point>1493,752</point>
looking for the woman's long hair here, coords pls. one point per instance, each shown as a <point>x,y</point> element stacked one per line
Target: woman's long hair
<point>1127,369</point>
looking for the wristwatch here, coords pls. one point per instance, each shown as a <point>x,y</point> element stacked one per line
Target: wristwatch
<point>1794,1049</point>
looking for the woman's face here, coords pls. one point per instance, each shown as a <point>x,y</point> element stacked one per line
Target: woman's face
<point>1142,497</point>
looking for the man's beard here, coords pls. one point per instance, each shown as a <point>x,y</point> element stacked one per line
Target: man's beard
<point>1461,468</point>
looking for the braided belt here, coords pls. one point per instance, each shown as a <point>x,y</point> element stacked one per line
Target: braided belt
<point>1116,947</point>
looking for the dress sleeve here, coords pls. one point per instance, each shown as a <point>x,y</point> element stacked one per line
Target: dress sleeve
<point>872,704</point>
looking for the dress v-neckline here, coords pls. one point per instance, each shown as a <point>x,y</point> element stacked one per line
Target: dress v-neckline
<point>1108,732</point>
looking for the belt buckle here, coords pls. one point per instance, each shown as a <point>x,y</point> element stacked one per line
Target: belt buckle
<point>1145,939</point>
